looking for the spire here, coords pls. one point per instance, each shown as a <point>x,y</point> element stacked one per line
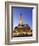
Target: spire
<point>20,20</point>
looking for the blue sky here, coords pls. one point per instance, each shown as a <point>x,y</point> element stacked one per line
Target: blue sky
<point>26,15</point>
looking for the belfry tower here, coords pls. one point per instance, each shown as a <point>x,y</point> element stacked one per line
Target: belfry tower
<point>20,20</point>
